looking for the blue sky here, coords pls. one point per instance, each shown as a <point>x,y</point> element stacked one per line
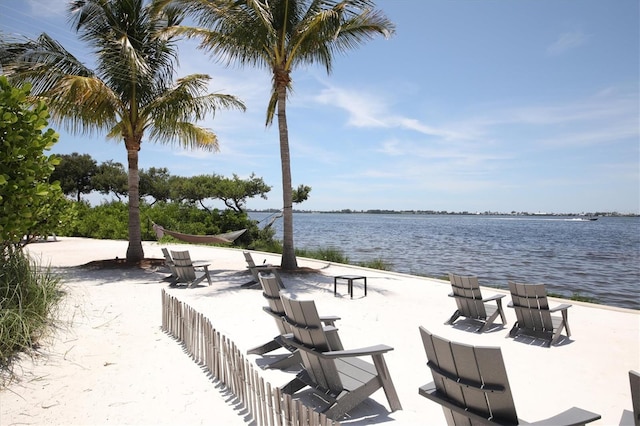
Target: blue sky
<point>473,105</point>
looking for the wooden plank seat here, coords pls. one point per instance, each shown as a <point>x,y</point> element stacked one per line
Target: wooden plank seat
<point>534,315</point>
<point>186,269</point>
<point>471,304</point>
<point>271,287</point>
<point>339,380</point>
<point>471,385</point>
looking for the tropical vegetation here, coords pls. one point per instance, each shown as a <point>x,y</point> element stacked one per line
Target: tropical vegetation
<point>280,36</point>
<point>130,95</point>
<point>30,205</point>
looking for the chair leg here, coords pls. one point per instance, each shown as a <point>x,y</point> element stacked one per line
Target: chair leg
<point>293,386</point>
<point>263,349</point>
<point>387,384</point>
<point>565,321</point>
<point>489,321</point>
<point>206,272</point>
<point>514,330</point>
<point>454,317</point>
<point>504,318</point>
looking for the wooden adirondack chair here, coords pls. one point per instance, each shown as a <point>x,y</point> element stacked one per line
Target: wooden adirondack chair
<point>169,264</point>
<point>271,292</point>
<point>338,378</point>
<point>256,269</point>
<point>186,269</point>
<point>466,291</point>
<point>534,315</point>
<point>634,382</point>
<point>471,385</point>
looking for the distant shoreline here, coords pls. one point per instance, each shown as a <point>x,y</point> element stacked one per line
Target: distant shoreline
<point>464,213</point>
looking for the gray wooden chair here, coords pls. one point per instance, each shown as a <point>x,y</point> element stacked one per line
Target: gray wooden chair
<point>168,262</point>
<point>339,378</point>
<point>256,269</point>
<point>471,304</point>
<point>186,269</point>
<point>534,315</point>
<point>271,292</point>
<point>634,382</point>
<point>471,385</point>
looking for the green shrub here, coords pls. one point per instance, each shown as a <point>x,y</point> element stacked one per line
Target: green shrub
<point>378,263</point>
<point>110,221</point>
<point>29,296</point>
<point>330,254</point>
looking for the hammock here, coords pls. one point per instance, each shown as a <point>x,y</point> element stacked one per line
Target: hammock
<point>225,238</point>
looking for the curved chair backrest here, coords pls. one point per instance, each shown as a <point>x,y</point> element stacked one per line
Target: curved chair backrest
<point>531,306</point>
<point>466,291</point>
<point>471,378</point>
<point>271,292</point>
<point>183,265</point>
<point>302,316</point>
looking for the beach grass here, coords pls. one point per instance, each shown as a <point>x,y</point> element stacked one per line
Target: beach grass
<point>29,296</point>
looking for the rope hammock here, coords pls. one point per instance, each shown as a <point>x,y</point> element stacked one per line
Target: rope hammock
<point>225,238</point>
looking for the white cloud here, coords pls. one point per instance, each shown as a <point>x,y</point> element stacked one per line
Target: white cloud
<point>46,8</point>
<point>567,41</point>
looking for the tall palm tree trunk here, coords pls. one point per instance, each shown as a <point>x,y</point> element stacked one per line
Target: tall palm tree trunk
<point>134,251</point>
<point>288,261</point>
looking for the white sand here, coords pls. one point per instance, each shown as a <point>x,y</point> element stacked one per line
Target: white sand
<point>109,363</point>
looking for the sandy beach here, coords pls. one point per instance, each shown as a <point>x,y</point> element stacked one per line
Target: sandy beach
<point>108,361</point>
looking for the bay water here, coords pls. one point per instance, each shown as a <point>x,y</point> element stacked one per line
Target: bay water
<point>596,259</point>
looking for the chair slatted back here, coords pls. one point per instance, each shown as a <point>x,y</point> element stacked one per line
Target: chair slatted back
<point>466,290</point>
<point>271,292</point>
<point>183,265</point>
<point>169,262</point>
<point>249,259</point>
<point>470,377</point>
<point>531,306</point>
<point>307,329</point>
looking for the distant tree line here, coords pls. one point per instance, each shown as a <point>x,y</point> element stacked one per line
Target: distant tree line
<point>80,174</point>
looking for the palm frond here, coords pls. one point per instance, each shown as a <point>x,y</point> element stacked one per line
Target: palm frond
<point>185,101</point>
<point>84,104</point>
<point>43,62</point>
<point>187,135</point>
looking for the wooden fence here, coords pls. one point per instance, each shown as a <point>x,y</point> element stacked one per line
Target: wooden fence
<point>266,404</point>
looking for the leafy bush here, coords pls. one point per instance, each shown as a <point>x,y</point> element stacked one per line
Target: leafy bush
<point>109,221</point>
<point>29,296</point>
<point>330,254</point>
<point>29,203</point>
<point>378,263</point>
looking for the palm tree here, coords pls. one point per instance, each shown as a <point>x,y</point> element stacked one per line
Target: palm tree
<point>130,94</point>
<point>280,35</point>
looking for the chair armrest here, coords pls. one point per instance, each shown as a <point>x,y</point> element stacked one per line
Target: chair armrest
<point>562,307</point>
<point>200,265</point>
<point>329,319</point>
<point>574,416</point>
<point>494,297</point>
<point>369,350</point>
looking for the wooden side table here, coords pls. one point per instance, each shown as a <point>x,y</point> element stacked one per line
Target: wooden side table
<point>349,279</point>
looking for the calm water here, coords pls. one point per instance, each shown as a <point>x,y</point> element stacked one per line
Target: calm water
<point>598,259</point>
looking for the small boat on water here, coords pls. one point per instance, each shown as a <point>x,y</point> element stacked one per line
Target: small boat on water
<point>583,219</point>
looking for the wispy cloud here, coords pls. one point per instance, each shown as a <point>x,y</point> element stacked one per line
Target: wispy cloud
<point>46,8</point>
<point>368,110</point>
<point>567,41</point>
